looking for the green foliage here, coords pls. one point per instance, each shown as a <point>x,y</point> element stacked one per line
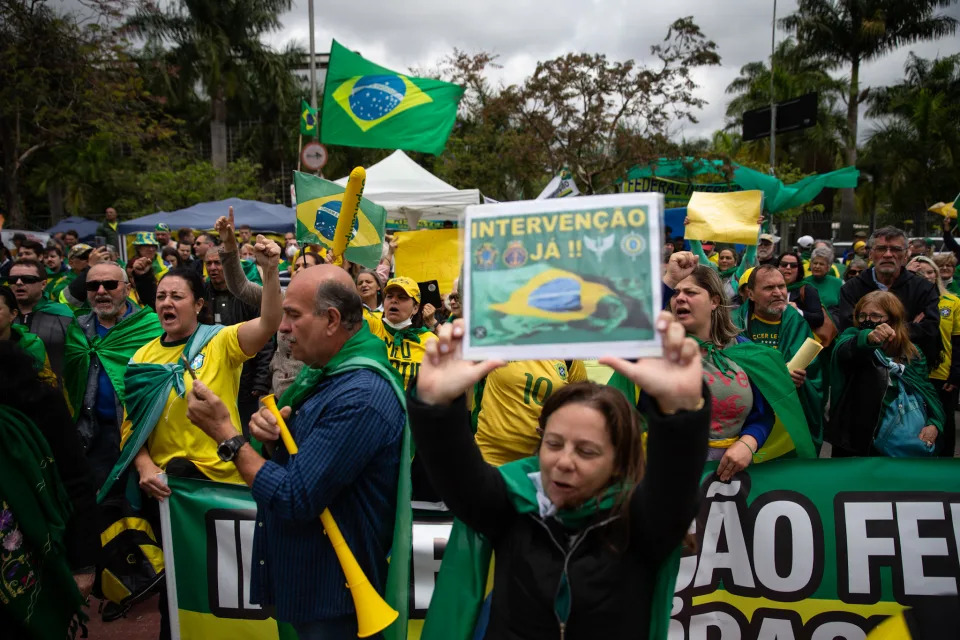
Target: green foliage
<point>168,184</point>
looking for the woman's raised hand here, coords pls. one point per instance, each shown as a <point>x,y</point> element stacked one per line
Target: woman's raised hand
<point>225,227</point>
<point>674,380</point>
<point>444,376</point>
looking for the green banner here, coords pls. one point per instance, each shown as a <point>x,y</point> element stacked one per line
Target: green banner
<point>818,548</point>
<point>571,278</point>
<point>676,193</point>
<point>208,549</point>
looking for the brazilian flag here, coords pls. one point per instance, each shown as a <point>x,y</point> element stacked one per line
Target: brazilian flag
<point>366,105</point>
<point>530,304</point>
<point>318,209</point>
<point>308,120</point>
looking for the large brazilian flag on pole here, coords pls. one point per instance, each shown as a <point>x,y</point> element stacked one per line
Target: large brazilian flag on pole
<point>366,105</point>
<point>318,209</point>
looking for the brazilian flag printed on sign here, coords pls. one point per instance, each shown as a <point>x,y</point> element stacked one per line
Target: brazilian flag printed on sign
<point>366,105</point>
<point>530,304</point>
<point>318,209</point>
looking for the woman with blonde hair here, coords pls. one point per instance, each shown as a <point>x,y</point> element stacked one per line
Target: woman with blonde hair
<point>945,377</point>
<point>882,403</point>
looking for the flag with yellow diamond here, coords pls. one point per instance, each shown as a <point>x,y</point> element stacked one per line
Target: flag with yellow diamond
<point>576,278</point>
<point>318,209</point>
<point>308,120</point>
<point>366,105</point>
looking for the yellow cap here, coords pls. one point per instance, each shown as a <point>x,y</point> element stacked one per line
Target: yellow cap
<point>409,285</point>
<point>858,244</point>
<point>745,276</point>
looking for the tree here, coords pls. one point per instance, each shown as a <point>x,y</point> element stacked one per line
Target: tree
<point>851,32</point>
<point>914,145</point>
<point>216,47</point>
<point>61,86</point>
<point>815,149</point>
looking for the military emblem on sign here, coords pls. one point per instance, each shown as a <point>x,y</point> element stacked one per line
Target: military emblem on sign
<point>486,256</point>
<point>515,254</point>
<point>633,245</point>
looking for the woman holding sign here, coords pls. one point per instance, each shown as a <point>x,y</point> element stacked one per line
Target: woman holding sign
<point>581,530</point>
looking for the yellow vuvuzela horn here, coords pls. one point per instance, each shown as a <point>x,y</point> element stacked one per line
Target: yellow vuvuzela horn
<point>349,209</point>
<point>373,612</point>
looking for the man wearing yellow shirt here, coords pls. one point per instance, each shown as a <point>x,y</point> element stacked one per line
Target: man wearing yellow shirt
<point>405,343</point>
<point>508,403</point>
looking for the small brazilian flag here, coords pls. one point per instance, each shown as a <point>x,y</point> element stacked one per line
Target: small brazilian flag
<point>366,105</point>
<point>308,120</point>
<point>318,209</point>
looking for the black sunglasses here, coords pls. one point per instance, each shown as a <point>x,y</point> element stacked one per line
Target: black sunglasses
<point>24,279</point>
<point>454,297</point>
<point>109,285</point>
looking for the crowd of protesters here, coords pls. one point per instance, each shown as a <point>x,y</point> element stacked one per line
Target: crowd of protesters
<point>121,372</point>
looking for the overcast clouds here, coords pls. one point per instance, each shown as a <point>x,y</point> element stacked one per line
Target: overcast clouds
<point>418,33</point>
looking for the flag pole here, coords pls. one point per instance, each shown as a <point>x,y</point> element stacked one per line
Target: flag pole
<point>299,150</point>
<point>313,60</point>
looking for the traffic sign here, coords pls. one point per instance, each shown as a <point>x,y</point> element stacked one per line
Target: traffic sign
<point>313,156</point>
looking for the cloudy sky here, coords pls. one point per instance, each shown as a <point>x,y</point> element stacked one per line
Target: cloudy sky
<point>418,33</point>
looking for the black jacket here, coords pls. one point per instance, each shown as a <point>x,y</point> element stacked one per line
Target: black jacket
<point>855,414</point>
<point>807,299</point>
<point>611,589</point>
<point>916,294</point>
<point>255,379</point>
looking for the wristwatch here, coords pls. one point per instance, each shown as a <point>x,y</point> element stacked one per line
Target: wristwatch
<point>227,450</point>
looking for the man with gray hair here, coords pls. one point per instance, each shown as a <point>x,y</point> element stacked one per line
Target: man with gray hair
<point>888,251</point>
<point>347,416</point>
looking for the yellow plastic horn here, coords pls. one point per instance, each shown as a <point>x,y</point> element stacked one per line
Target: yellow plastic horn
<point>373,613</point>
<point>349,207</point>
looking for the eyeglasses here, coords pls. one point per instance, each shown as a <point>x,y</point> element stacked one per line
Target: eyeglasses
<point>109,285</point>
<point>872,317</point>
<point>853,272</point>
<point>24,279</point>
<point>788,265</point>
<point>894,249</point>
<point>454,297</point>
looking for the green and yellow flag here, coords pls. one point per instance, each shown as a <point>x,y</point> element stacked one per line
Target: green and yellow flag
<point>308,120</point>
<point>366,105</point>
<point>318,208</point>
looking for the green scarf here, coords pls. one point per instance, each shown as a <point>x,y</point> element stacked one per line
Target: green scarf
<point>113,351</point>
<point>35,507</point>
<point>250,270</point>
<point>461,584</point>
<point>915,374</point>
<point>147,386</point>
<point>411,333</point>
<point>794,330</point>
<point>793,286</point>
<point>53,308</point>
<point>31,343</point>
<point>828,287</point>
<point>365,351</point>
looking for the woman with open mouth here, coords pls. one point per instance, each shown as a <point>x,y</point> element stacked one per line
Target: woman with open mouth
<point>156,432</point>
<point>581,529</point>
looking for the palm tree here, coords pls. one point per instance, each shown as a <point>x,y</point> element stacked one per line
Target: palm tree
<point>916,139</point>
<point>216,48</point>
<point>795,74</point>
<point>851,32</point>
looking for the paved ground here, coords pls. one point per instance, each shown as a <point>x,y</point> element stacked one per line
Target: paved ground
<point>142,623</point>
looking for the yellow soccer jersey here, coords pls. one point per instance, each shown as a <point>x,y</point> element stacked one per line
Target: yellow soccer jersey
<point>405,355</point>
<point>949,327</point>
<point>510,406</point>
<point>217,366</point>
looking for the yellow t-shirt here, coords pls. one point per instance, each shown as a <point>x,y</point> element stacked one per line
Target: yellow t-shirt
<point>949,327</point>
<point>513,396</point>
<point>217,366</point>
<point>405,356</point>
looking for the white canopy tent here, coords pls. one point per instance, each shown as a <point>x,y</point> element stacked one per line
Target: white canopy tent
<point>408,191</point>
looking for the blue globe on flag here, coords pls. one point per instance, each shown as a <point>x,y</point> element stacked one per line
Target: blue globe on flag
<point>326,222</point>
<point>373,97</point>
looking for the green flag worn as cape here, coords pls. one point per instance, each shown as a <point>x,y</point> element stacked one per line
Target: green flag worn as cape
<point>147,386</point>
<point>53,308</point>
<point>37,590</point>
<point>794,330</point>
<point>365,351</point>
<point>31,343</point>
<point>113,350</point>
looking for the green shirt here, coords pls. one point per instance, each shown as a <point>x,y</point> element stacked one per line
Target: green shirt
<point>763,332</point>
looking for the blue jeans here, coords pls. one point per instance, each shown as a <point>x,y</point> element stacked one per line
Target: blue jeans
<point>344,628</point>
